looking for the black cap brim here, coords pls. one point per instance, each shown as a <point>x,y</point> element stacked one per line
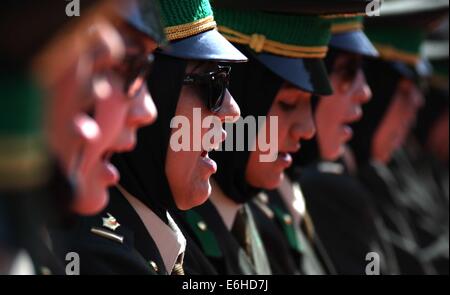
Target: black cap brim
<point>422,70</point>
<point>309,75</point>
<point>143,16</point>
<point>355,42</point>
<point>403,69</point>
<point>208,46</point>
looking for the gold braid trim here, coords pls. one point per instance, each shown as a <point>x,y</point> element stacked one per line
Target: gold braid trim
<point>348,27</point>
<point>393,54</point>
<point>259,43</point>
<point>190,29</point>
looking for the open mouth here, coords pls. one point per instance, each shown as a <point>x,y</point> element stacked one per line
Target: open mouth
<point>206,152</point>
<point>285,159</point>
<point>107,156</point>
<point>208,162</point>
<point>283,155</point>
<point>110,173</point>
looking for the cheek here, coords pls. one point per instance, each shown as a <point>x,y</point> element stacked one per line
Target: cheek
<point>111,116</point>
<point>336,109</point>
<point>391,128</point>
<point>283,128</point>
<point>323,120</point>
<point>266,175</point>
<point>180,168</point>
<point>277,126</point>
<point>62,115</point>
<point>188,186</point>
<point>64,134</point>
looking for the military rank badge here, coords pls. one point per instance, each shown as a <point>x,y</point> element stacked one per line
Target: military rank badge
<point>110,222</point>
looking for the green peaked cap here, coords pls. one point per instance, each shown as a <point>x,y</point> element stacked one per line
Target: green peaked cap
<point>347,24</point>
<point>295,36</point>
<point>192,31</point>
<point>186,18</point>
<point>400,30</point>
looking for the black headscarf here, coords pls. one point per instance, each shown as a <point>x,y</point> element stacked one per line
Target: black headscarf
<point>142,171</point>
<point>254,87</point>
<point>383,80</point>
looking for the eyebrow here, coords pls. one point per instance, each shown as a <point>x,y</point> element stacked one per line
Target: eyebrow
<point>133,48</point>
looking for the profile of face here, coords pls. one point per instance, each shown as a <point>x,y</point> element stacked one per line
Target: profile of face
<point>438,139</point>
<point>397,121</point>
<point>189,171</point>
<point>293,109</point>
<point>122,105</point>
<point>67,71</point>
<point>335,113</point>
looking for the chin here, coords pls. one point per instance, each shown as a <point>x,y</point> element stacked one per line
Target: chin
<point>272,182</point>
<point>197,197</point>
<point>339,153</point>
<point>88,205</point>
<point>333,156</point>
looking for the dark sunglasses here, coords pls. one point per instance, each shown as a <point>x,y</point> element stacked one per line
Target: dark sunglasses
<point>135,70</point>
<point>213,86</point>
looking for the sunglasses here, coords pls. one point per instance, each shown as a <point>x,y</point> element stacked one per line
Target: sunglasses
<point>135,70</point>
<point>213,86</point>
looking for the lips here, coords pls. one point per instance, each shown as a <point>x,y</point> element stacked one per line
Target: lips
<point>347,132</point>
<point>284,159</point>
<point>210,164</point>
<point>107,156</point>
<point>110,173</point>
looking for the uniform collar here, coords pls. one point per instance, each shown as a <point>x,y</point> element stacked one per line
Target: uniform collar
<point>168,238</point>
<point>292,196</point>
<point>331,167</point>
<point>226,207</point>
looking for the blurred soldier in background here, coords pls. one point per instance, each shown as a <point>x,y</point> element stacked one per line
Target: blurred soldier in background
<point>89,70</point>
<point>395,81</point>
<point>339,206</point>
<point>31,182</point>
<point>421,166</point>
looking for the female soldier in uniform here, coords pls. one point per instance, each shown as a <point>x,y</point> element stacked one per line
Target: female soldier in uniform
<point>135,234</point>
<point>339,205</point>
<point>284,71</point>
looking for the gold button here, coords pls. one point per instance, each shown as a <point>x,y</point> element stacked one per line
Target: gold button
<point>202,226</point>
<point>154,265</point>
<point>287,219</point>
